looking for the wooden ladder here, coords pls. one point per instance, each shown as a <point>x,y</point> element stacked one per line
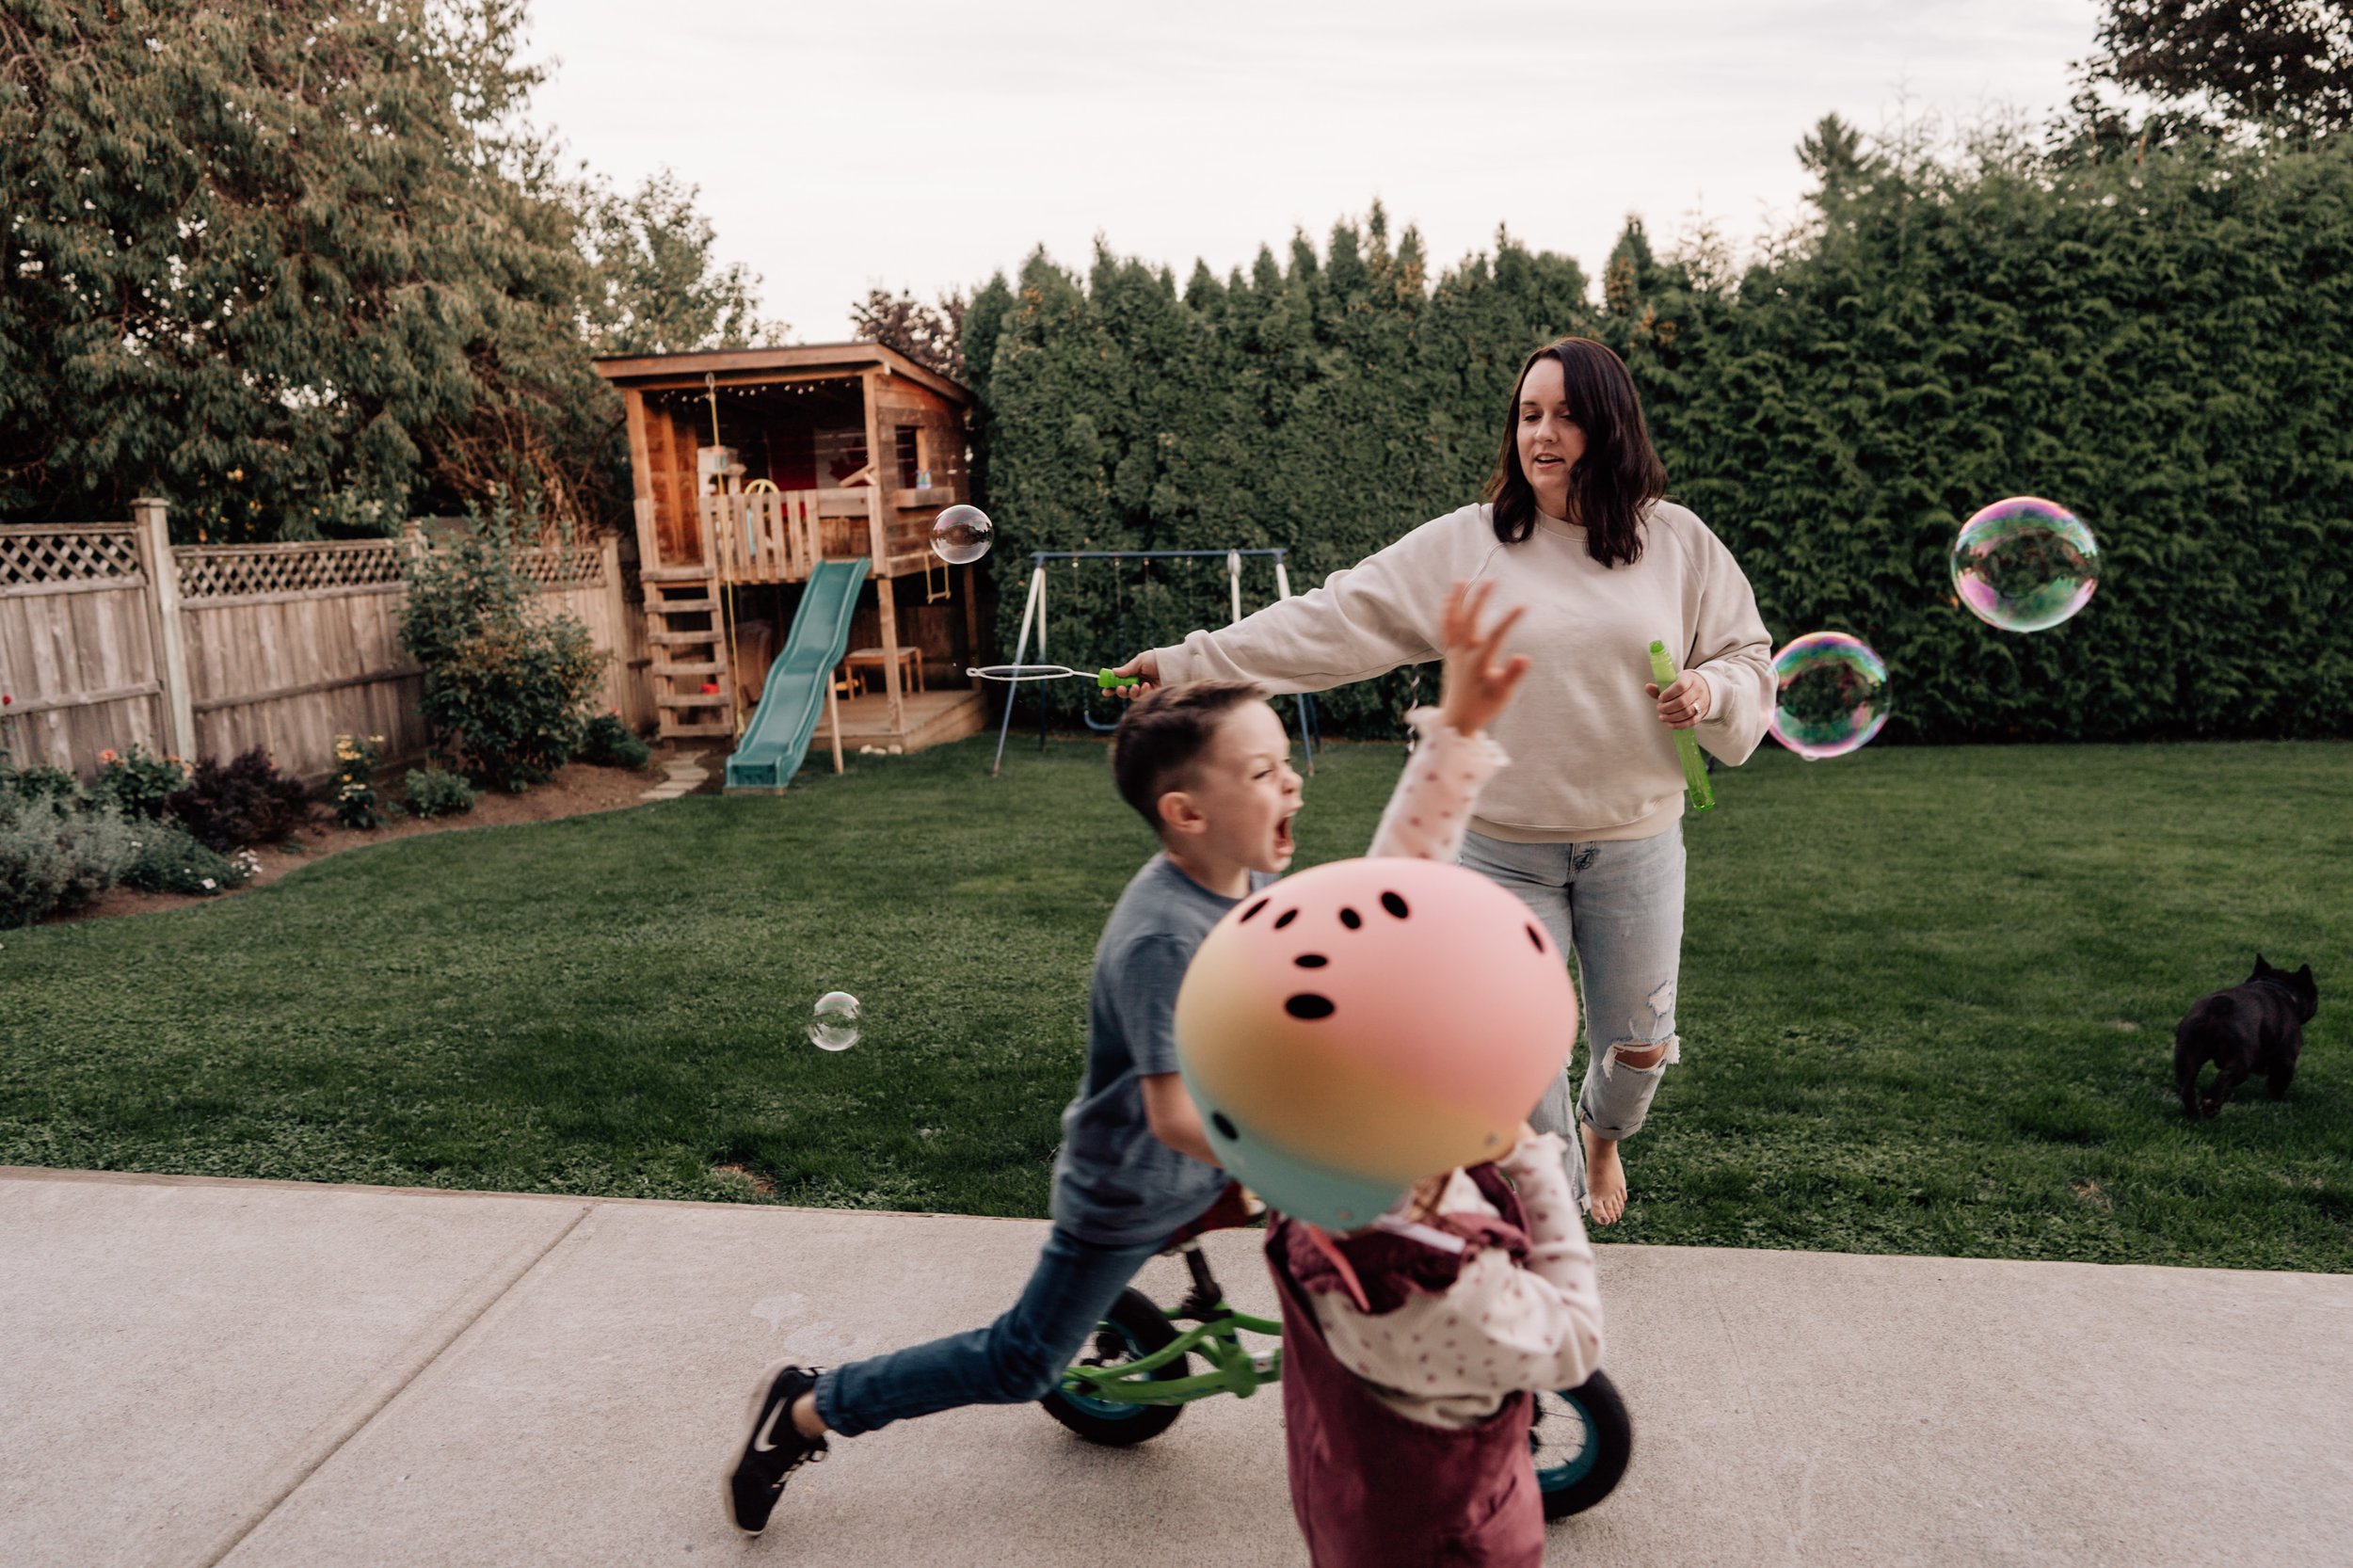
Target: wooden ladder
<point>690,649</point>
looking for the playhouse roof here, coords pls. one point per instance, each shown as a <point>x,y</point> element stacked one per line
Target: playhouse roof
<point>648,372</point>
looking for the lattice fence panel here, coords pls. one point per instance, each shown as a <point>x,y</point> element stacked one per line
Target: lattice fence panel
<point>239,571</point>
<point>562,568</point>
<point>45,554</point>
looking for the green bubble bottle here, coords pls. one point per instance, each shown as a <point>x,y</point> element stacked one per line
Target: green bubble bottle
<point>1662,671</point>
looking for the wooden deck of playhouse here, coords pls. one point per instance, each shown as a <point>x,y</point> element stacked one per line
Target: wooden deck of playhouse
<point>833,452</point>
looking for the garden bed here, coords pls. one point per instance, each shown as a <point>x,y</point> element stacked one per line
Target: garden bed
<point>577,790</point>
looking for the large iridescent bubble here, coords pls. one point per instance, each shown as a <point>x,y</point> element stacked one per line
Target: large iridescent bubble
<point>962,535</point>
<point>834,1023</point>
<point>1832,694</point>
<point>2025,564</point>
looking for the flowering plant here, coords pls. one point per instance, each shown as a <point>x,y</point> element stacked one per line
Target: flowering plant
<point>140,783</point>
<point>353,791</point>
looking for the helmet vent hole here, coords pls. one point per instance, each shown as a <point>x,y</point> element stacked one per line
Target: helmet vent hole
<point>1394,904</point>
<point>1306,1004</point>
<point>1535,938</point>
<point>1311,960</point>
<point>1352,919</point>
<point>1254,911</point>
<point>1285,919</point>
<point>1224,1128</point>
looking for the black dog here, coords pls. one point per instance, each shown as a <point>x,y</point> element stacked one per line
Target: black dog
<point>2254,1028</point>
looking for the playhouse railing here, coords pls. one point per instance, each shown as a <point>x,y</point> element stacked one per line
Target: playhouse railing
<point>781,535</point>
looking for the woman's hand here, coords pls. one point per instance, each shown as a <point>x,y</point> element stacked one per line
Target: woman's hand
<point>1476,688</point>
<point>1683,704</point>
<point>1146,667</point>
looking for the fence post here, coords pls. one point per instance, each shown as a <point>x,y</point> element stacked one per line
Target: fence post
<point>624,678</point>
<point>151,526</point>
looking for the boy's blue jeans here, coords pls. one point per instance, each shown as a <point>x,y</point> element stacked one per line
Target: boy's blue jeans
<point>1618,905</point>
<point>1016,1359</point>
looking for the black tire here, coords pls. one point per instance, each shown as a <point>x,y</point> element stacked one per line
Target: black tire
<point>1132,1328</point>
<point>1583,1457</point>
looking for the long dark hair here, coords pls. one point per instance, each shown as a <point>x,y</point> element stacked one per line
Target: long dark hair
<point>1619,476</point>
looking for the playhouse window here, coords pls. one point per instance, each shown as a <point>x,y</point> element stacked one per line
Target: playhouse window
<point>839,455</point>
<point>909,457</point>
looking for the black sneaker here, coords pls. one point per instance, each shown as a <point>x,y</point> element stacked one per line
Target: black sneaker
<point>774,1449</point>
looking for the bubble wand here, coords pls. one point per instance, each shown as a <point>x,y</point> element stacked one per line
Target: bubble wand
<point>1104,679</point>
<point>1662,670</point>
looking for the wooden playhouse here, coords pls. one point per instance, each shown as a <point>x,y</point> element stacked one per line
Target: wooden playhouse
<point>754,467</point>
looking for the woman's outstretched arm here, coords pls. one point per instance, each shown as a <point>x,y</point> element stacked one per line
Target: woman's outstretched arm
<point>1365,621</point>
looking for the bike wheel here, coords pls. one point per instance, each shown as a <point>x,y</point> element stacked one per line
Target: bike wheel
<point>1582,1440</point>
<point>1132,1329</point>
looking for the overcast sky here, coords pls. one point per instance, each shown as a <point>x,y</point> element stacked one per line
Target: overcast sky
<point>925,144</point>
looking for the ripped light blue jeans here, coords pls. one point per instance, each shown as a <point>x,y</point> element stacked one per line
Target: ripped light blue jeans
<point>1618,905</point>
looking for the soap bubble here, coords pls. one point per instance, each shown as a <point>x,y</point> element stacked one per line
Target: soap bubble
<point>834,1025</point>
<point>1831,697</point>
<point>962,535</point>
<point>2025,564</point>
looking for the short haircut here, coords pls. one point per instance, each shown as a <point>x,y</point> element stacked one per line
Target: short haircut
<point>1162,734</point>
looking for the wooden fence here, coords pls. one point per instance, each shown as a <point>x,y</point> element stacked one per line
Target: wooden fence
<point>111,637</point>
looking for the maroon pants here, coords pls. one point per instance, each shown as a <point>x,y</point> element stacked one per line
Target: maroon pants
<point>1372,1488</point>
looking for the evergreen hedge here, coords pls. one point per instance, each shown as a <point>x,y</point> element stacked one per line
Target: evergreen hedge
<point>2166,347</point>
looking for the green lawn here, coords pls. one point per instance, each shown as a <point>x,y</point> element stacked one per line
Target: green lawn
<point>1927,1000</point>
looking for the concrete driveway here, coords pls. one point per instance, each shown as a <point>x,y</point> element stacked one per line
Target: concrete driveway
<point>278,1375</point>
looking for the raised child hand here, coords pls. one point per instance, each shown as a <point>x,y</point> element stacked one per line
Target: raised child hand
<point>1476,686</point>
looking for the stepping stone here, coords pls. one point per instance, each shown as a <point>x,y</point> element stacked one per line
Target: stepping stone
<point>686,774</point>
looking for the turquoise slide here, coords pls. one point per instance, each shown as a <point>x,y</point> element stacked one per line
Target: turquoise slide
<point>777,738</point>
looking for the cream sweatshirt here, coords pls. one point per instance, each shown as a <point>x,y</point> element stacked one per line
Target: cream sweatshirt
<point>1590,758</point>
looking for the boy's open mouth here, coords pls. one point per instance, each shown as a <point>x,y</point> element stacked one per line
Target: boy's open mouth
<point>1283,834</point>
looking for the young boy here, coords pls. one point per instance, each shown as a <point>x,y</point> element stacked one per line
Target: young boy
<point>1208,767</point>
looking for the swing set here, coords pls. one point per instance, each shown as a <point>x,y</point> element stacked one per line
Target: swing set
<point>1033,613</point>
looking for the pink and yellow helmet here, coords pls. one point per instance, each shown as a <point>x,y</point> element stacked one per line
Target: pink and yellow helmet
<point>1367,1023</point>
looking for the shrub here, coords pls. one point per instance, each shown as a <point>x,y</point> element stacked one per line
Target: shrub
<point>57,855</point>
<point>139,783</point>
<point>168,858</point>
<point>2161,343</point>
<point>39,783</point>
<point>246,802</point>
<point>353,790</point>
<point>611,744</point>
<point>509,701</point>
<point>505,686</point>
<point>438,792</point>
<point>455,590</point>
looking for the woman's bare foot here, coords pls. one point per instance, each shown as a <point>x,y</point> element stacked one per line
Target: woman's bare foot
<point>1605,1177</point>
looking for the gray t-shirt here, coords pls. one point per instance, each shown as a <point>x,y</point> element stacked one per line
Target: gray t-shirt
<point>1114,1183</point>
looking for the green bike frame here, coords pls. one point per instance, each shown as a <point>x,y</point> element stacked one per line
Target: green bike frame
<point>1578,1480</point>
<point>1233,1368</point>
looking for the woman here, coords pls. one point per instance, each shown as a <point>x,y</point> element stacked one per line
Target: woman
<point>1586,822</point>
